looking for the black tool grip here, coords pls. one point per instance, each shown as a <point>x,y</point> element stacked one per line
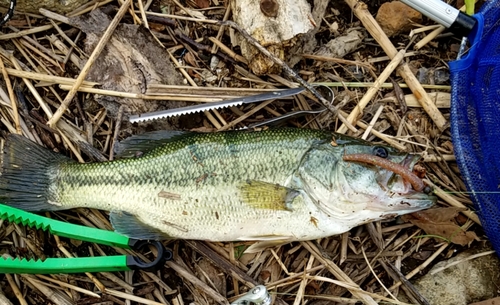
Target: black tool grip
<point>463,25</point>
<point>135,263</point>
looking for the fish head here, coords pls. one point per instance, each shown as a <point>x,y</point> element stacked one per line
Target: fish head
<point>357,192</point>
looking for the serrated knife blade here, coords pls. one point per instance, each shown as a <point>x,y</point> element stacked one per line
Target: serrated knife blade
<point>217,105</point>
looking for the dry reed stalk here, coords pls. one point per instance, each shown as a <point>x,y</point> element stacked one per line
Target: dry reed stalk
<point>15,289</point>
<point>353,116</point>
<point>66,285</point>
<point>372,122</point>
<point>53,295</point>
<point>387,58</point>
<point>143,15</point>
<point>228,51</point>
<point>171,97</point>
<point>197,282</point>
<point>380,135</point>
<point>87,7</point>
<point>220,32</point>
<point>361,11</point>
<point>453,202</point>
<point>131,297</point>
<point>301,291</point>
<point>183,18</point>
<point>384,85</point>
<point>12,97</point>
<point>40,49</point>
<point>35,30</point>
<point>46,78</point>
<point>339,274</point>
<point>247,114</point>
<point>338,60</point>
<point>413,32</point>
<point>209,116</point>
<point>63,48</point>
<point>471,257</point>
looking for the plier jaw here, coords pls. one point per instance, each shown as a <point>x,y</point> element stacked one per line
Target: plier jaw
<point>79,264</point>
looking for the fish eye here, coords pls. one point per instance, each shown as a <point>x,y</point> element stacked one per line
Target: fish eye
<point>380,151</point>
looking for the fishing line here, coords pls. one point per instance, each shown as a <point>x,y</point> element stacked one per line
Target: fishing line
<point>384,300</point>
<point>10,12</point>
<point>449,192</point>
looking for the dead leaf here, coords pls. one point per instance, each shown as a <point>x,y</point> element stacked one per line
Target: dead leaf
<point>157,27</point>
<point>190,59</point>
<point>435,215</point>
<point>449,231</point>
<point>441,222</point>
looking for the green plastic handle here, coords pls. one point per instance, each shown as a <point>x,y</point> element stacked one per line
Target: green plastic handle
<point>64,265</point>
<point>64,229</point>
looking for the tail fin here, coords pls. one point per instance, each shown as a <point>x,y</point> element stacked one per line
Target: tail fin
<point>27,172</point>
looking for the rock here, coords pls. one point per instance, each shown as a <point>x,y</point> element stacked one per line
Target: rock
<point>469,281</point>
<point>306,43</point>
<point>57,6</point>
<point>396,18</point>
<point>274,24</point>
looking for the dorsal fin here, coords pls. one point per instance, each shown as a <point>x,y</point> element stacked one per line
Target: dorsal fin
<point>137,145</point>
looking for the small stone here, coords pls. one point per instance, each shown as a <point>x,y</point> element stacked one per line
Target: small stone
<point>342,45</point>
<point>441,76</point>
<point>423,75</point>
<point>396,18</point>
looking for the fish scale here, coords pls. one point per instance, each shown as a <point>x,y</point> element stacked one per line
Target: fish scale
<point>191,169</point>
<point>278,184</point>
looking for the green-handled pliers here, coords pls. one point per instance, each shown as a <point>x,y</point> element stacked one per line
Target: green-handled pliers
<point>78,264</point>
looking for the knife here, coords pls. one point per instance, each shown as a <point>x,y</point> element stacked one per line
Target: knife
<point>217,105</point>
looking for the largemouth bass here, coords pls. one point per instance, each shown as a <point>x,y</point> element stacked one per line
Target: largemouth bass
<point>276,185</point>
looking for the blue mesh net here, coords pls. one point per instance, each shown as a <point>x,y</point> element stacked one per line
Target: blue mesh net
<point>475,118</point>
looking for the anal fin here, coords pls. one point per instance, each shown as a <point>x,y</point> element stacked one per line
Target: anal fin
<point>263,245</point>
<point>266,241</point>
<point>131,226</point>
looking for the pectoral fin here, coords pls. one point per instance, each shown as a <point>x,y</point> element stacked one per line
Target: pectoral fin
<point>263,195</point>
<point>131,226</point>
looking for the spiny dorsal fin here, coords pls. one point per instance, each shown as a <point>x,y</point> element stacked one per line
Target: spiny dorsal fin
<point>140,144</point>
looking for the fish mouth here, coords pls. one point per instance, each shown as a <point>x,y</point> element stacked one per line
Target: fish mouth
<point>396,183</point>
<point>400,195</point>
